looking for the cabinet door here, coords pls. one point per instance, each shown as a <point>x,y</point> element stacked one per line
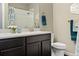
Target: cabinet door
<point>46,48</point>
<point>18,51</point>
<point>33,49</point>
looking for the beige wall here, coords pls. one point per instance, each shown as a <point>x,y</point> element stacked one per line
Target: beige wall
<point>24,6</point>
<point>47,9</point>
<point>61,26</point>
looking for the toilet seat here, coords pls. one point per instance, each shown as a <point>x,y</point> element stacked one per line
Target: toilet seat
<point>59,45</point>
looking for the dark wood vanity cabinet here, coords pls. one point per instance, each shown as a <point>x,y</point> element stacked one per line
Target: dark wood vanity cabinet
<point>12,47</point>
<point>36,45</point>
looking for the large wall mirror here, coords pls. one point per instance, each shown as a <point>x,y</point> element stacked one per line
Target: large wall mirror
<point>24,15</point>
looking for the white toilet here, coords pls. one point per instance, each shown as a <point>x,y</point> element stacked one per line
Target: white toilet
<point>58,49</point>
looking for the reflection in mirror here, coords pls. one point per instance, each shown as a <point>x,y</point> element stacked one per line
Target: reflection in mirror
<point>24,15</point>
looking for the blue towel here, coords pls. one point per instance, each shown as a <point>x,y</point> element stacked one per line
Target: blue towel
<point>44,20</point>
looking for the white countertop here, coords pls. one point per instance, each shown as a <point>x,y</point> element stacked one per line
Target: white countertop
<point>12,35</point>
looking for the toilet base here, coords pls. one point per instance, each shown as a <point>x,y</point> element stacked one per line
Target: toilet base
<point>58,52</point>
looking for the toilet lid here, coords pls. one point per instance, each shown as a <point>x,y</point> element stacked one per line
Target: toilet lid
<point>59,45</point>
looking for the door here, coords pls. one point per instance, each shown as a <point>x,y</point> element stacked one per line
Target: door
<point>18,51</point>
<point>33,49</point>
<point>46,48</point>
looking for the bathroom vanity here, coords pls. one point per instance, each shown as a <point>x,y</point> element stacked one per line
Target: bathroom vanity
<point>25,44</point>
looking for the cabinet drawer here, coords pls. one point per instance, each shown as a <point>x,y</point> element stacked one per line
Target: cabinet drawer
<point>36,38</point>
<point>11,42</point>
<point>18,51</point>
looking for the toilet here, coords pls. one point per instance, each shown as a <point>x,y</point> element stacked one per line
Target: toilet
<point>58,49</point>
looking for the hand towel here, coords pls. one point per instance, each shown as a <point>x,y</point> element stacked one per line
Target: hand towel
<point>44,20</point>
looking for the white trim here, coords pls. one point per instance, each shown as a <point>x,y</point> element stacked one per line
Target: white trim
<point>3,16</point>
